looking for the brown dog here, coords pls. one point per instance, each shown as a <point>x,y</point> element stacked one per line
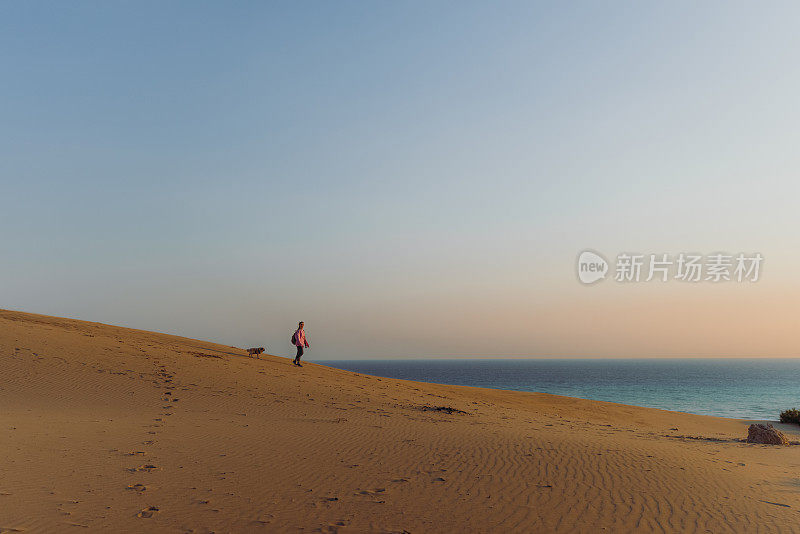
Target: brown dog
<point>255,351</point>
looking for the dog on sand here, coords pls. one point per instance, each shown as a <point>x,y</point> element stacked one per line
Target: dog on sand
<point>255,352</point>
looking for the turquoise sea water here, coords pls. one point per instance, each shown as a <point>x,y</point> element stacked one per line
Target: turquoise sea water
<point>748,389</point>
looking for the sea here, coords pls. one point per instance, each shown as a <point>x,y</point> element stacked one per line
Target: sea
<point>737,388</point>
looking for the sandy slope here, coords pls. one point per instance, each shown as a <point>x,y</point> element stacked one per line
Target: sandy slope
<point>122,430</point>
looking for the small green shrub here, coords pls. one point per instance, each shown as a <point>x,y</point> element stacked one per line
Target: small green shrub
<point>791,416</point>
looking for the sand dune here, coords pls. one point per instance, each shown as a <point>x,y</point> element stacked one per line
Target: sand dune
<point>112,429</point>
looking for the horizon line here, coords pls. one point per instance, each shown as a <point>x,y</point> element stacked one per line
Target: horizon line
<point>560,358</point>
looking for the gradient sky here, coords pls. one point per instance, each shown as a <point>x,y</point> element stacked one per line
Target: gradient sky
<point>411,179</point>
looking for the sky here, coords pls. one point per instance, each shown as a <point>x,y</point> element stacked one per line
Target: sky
<point>411,179</point>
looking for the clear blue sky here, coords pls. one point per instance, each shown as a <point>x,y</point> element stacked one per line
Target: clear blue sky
<point>412,179</point>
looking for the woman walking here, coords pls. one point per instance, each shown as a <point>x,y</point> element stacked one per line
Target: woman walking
<point>299,340</point>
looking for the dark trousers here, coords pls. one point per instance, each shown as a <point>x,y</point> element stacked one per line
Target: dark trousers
<point>299,353</point>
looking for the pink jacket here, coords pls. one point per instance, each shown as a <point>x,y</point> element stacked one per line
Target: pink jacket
<point>300,338</point>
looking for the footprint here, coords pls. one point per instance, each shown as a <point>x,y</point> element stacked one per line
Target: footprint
<point>145,467</point>
<point>373,492</point>
<point>148,512</point>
